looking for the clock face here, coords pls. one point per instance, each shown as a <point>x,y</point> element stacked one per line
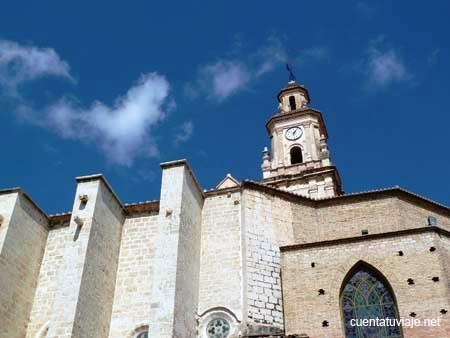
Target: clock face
<point>293,133</point>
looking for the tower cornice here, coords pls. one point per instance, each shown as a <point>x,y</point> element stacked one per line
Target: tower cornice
<point>295,114</point>
<point>286,179</point>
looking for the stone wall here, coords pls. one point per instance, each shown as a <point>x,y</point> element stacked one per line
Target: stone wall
<point>23,236</point>
<point>49,274</point>
<point>209,252</point>
<point>8,199</point>
<point>267,224</point>
<point>132,300</point>
<point>347,218</point>
<point>305,310</point>
<point>221,268</point>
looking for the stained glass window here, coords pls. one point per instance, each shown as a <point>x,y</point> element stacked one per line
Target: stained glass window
<point>218,328</point>
<point>366,296</point>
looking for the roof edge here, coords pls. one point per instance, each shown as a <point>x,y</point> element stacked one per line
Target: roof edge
<point>99,177</point>
<point>21,192</point>
<point>319,202</point>
<point>185,163</point>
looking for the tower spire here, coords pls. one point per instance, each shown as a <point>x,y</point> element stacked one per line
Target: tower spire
<point>291,73</point>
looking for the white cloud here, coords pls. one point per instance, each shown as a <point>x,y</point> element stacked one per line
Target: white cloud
<point>185,132</point>
<point>385,67</point>
<point>122,131</point>
<point>20,64</point>
<point>225,77</point>
<point>382,66</point>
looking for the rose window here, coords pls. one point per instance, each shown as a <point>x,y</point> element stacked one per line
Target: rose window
<point>218,328</point>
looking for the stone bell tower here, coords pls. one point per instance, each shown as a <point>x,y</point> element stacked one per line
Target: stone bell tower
<point>300,160</point>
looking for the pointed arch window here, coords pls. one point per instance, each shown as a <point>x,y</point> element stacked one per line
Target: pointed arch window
<point>367,295</point>
<point>292,103</point>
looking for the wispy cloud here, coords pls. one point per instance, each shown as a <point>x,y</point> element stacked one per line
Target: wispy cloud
<point>225,77</point>
<point>122,130</point>
<point>185,132</point>
<point>20,64</point>
<point>382,65</point>
<point>316,54</point>
<point>364,9</point>
<point>269,56</point>
<point>433,57</point>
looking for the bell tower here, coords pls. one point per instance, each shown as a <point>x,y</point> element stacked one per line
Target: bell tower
<point>300,160</point>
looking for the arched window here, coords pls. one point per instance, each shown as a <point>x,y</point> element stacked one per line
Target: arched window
<point>367,295</point>
<point>296,155</point>
<point>142,335</point>
<point>292,103</point>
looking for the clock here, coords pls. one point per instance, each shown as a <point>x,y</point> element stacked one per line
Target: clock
<point>294,133</point>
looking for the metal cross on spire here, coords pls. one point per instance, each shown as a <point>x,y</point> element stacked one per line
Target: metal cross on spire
<point>291,73</point>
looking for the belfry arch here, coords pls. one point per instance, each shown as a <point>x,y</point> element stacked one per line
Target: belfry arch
<point>296,155</point>
<point>366,294</point>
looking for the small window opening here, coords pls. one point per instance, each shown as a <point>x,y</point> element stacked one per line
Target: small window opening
<point>432,220</point>
<point>435,279</point>
<point>364,232</point>
<point>296,155</point>
<point>400,253</point>
<point>443,311</point>
<point>432,249</point>
<point>321,291</point>
<point>292,103</point>
<point>313,264</point>
<point>325,323</point>
<point>410,281</point>
<point>413,314</point>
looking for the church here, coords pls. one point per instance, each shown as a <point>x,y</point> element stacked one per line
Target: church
<point>288,254</point>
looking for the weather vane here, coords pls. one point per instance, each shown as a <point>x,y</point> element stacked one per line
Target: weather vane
<point>291,73</point>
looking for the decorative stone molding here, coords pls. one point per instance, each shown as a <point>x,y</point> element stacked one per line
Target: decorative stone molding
<point>43,331</point>
<point>78,221</point>
<point>138,330</point>
<point>218,313</point>
<point>256,330</point>
<point>83,198</point>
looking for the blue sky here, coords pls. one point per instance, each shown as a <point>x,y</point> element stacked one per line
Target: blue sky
<point>117,87</point>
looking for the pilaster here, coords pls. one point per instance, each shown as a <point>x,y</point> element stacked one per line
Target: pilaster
<point>23,234</point>
<point>84,299</point>
<point>177,255</point>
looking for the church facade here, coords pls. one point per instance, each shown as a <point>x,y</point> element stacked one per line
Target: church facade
<point>289,255</point>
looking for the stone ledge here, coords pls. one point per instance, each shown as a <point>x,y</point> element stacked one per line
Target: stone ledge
<point>415,231</point>
<point>279,336</point>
